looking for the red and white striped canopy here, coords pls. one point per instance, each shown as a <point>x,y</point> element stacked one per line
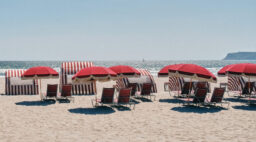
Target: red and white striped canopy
<point>74,67</point>
<point>19,89</point>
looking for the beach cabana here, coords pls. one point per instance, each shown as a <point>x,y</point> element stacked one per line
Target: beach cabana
<point>68,70</point>
<point>234,83</point>
<point>124,71</point>
<point>175,83</point>
<point>101,74</point>
<point>14,85</point>
<point>239,77</point>
<point>247,70</point>
<point>145,75</point>
<point>193,72</point>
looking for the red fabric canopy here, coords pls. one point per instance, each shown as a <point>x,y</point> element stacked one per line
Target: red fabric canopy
<point>248,69</point>
<point>164,72</point>
<point>193,70</point>
<point>40,71</point>
<point>125,70</point>
<point>95,73</point>
<point>223,70</point>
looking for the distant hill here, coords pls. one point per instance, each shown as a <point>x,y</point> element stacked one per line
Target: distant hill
<point>241,56</point>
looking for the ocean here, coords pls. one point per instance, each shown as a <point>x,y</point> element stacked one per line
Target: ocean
<point>151,65</point>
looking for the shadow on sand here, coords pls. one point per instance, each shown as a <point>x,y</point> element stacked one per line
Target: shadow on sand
<point>134,101</point>
<point>200,110</point>
<point>36,103</point>
<point>123,108</point>
<point>173,101</point>
<point>93,111</point>
<point>236,100</point>
<point>251,107</point>
<point>63,101</point>
<point>144,99</point>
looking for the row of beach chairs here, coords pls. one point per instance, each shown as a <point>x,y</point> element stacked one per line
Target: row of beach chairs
<point>124,96</point>
<point>52,92</point>
<point>200,97</point>
<point>196,93</point>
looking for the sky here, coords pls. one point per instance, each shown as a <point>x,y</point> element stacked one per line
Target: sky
<point>125,29</point>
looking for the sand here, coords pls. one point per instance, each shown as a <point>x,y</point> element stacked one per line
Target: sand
<point>25,118</point>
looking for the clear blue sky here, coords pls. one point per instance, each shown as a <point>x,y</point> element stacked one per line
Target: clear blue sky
<point>125,29</point>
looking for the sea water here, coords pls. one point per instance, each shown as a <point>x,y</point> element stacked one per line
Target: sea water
<point>152,65</point>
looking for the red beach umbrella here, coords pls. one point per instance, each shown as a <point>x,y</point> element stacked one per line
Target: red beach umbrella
<point>222,71</point>
<point>40,72</point>
<point>94,73</point>
<point>244,69</point>
<point>125,71</point>
<point>164,72</point>
<point>193,71</point>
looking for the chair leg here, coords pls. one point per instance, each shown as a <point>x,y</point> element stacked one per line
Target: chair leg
<point>92,103</point>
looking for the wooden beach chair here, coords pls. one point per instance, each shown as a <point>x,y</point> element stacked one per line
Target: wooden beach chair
<point>200,85</point>
<point>217,97</point>
<point>65,92</point>
<point>146,91</point>
<point>197,99</point>
<point>186,89</point>
<point>107,97</point>
<point>134,87</point>
<point>248,88</point>
<point>51,92</point>
<point>124,97</point>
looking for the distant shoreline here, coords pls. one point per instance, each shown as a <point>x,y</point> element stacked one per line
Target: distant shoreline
<point>251,56</point>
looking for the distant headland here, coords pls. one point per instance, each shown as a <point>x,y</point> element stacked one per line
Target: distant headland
<point>241,56</point>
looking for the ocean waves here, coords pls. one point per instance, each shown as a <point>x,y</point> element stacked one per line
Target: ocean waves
<point>152,66</point>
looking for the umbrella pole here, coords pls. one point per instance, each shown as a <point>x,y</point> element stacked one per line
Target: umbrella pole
<point>190,86</point>
<point>249,89</point>
<point>40,92</point>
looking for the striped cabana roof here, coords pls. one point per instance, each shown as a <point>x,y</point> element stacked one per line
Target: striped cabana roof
<point>68,69</point>
<point>123,83</point>
<point>175,83</point>
<point>234,83</point>
<point>20,87</point>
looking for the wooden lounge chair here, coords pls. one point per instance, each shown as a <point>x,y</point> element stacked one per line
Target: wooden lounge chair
<point>186,88</point>
<point>124,97</point>
<point>107,97</point>
<point>217,97</point>
<point>246,89</point>
<point>52,90</point>
<point>66,92</point>
<point>146,91</point>
<point>201,85</point>
<point>133,86</point>
<point>197,99</point>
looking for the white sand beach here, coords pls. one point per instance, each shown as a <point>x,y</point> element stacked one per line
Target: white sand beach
<point>25,118</point>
